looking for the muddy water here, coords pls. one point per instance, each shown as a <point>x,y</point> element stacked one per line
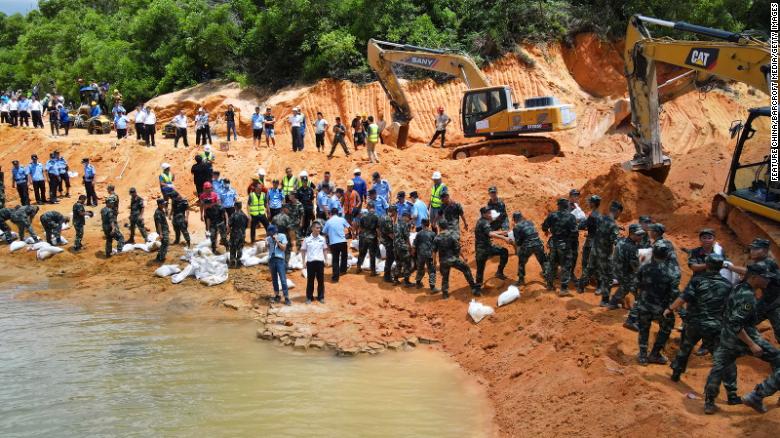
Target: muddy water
<point>123,371</point>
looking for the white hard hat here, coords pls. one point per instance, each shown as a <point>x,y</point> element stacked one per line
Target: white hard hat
<point>357,170</point>
<point>261,171</point>
<point>165,166</point>
<point>207,148</point>
<point>296,109</point>
<point>303,173</point>
<point>436,175</point>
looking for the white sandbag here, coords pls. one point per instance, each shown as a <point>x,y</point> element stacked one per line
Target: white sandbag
<point>151,237</point>
<point>478,311</point>
<point>128,247</point>
<point>38,245</point>
<point>65,226</point>
<point>213,280</point>
<point>250,261</point>
<point>222,258</point>
<point>578,213</point>
<point>382,251</point>
<point>142,246</point>
<point>380,266</point>
<point>329,260</point>
<point>186,272</point>
<point>167,270</point>
<point>45,253</point>
<point>411,238</point>
<point>645,255</point>
<point>156,244</point>
<point>355,244</point>
<point>352,261</point>
<point>508,296</point>
<point>296,261</point>
<point>73,174</point>
<point>16,245</point>
<point>249,251</point>
<point>63,241</point>
<point>205,243</point>
<point>264,259</point>
<point>494,215</point>
<point>261,246</point>
<point>290,284</point>
<point>204,252</point>
<point>29,240</point>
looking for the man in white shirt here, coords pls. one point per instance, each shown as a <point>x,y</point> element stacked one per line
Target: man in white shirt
<point>140,118</point>
<point>313,252</point>
<point>202,128</point>
<point>13,110</point>
<point>150,126</point>
<point>442,120</point>
<point>36,109</point>
<point>296,129</point>
<point>320,126</point>
<point>180,122</point>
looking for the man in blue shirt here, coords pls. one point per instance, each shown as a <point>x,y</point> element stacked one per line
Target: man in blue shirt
<point>402,205</point>
<point>24,111</point>
<point>323,198</point>
<point>62,166</point>
<point>217,183</point>
<point>258,121</point>
<point>380,204</point>
<point>360,186</point>
<point>382,187</point>
<point>227,197</point>
<point>335,202</point>
<point>419,210</point>
<point>120,124</point>
<point>275,198</point>
<point>53,173</point>
<point>89,182</point>
<point>95,110</point>
<point>335,233</point>
<point>19,179</point>
<point>277,243</point>
<point>35,171</point>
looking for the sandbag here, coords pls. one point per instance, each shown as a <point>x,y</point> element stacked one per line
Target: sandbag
<point>186,272</point>
<point>290,284</point>
<point>63,241</point>
<point>16,245</point>
<point>296,261</point>
<point>204,252</point>
<point>213,280</point>
<point>38,245</point>
<point>352,260</point>
<point>250,261</point>
<point>128,247</point>
<point>151,237</point>
<point>645,255</point>
<point>329,259</point>
<point>249,251</point>
<point>29,240</point>
<point>382,251</point>
<point>167,270</point>
<point>205,243</point>
<point>264,259</point>
<point>142,246</point>
<point>578,213</point>
<point>261,246</point>
<point>478,311</point>
<point>508,296</point>
<point>354,244</point>
<point>45,253</point>
<point>65,226</point>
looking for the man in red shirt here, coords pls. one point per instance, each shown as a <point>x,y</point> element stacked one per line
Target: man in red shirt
<point>208,193</point>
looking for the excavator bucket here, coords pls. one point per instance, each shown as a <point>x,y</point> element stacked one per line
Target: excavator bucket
<point>659,173</point>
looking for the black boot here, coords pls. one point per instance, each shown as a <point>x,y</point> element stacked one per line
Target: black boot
<point>642,357</point>
<point>676,375</point>
<point>476,290</point>
<point>407,283</point>
<point>500,275</point>
<point>709,405</point>
<point>657,357</point>
<point>753,400</point>
<point>734,399</point>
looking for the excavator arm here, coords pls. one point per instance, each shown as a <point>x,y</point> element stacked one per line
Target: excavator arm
<point>736,57</point>
<point>383,55</point>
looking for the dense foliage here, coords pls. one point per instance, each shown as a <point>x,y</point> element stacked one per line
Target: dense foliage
<point>148,47</point>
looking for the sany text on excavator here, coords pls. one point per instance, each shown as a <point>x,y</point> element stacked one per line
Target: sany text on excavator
<point>486,111</point>
<point>750,201</point>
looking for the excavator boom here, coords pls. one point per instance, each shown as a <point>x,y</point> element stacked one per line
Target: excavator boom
<point>735,57</point>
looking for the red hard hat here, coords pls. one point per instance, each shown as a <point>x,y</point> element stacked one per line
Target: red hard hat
<point>206,185</point>
<point>440,109</point>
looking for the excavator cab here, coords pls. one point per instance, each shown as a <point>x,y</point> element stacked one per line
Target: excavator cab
<point>481,105</point>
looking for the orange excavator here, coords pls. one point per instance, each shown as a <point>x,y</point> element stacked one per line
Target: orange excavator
<point>487,111</point>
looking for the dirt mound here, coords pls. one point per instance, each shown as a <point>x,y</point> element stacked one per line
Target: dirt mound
<point>596,65</point>
<point>638,193</point>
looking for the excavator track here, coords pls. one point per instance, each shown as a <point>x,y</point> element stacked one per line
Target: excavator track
<point>529,146</point>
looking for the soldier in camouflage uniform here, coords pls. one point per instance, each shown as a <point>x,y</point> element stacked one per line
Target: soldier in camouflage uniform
<point>296,213</point>
<point>401,246</point>
<point>561,225</point>
<point>705,295</point>
<point>447,245</point>
<point>485,249</point>
<point>601,252</point>
<point>527,243</point>
<point>739,337</point>
<point>497,204</point>
<point>216,223</point>
<point>452,212</point>
<point>625,264</point>
<point>113,198</point>
<point>79,219</point>
<point>136,216</point>
<point>282,221</point>
<point>161,224</point>
<point>645,221</point>
<point>698,255</point>
<point>180,211</point>
<point>5,214</point>
<point>110,227</point>
<point>367,240</point>
<point>387,233</point>
<point>22,218</point>
<point>52,222</point>
<point>238,222</point>
<point>657,231</point>
<point>591,224</point>
<point>423,249</point>
<point>657,290</point>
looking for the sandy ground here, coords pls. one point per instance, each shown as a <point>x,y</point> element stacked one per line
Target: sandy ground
<point>551,366</point>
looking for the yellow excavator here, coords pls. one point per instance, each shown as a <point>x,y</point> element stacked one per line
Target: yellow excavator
<point>486,111</point>
<point>750,202</point>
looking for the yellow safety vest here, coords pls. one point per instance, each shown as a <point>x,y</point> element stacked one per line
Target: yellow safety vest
<point>373,133</point>
<point>436,196</point>
<point>288,185</point>
<point>208,156</point>
<point>167,177</point>
<point>256,204</point>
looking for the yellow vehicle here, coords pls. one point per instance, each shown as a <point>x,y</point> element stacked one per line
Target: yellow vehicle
<point>486,111</point>
<point>750,203</point>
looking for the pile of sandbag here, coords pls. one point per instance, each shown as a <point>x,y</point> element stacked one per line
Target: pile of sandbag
<point>254,255</point>
<point>44,250</point>
<point>478,311</point>
<point>206,268</point>
<point>152,243</point>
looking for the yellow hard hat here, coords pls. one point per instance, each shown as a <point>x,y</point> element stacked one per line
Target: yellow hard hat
<point>94,103</point>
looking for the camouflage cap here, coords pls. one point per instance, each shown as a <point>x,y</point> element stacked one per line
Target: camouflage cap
<point>714,261</point>
<point>661,250</point>
<point>574,192</point>
<point>761,269</point>
<point>616,206</point>
<point>563,202</point>
<point>594,199</point>
<point>645,219</point>
<point>132,190</point>
<point>162,201</point>
<point>759,243</point>
<point>517,215</point>
<point>658,228</point>
<point>492,189</point>
<point>705,231</point>
<point>636,229</point>
<point>483,210</point>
